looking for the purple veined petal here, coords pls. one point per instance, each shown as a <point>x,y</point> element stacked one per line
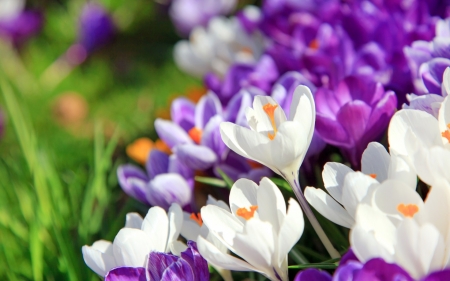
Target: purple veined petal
<point>157,163</point>
<point>178,271</point>
<point>197,157</point>
<point>381,116</point>
<point>234,80</point>
<point>348,271</point>
<point>207,107</point>
<point>441,275</point>
<point>166,189</point>
<point>354,117</point>
<point>332,132</point>
<point>171,133</point>
<point>235,110</point>
<point>418,53</point>
<point>441,47</point>
<point>312,274</point>
<point>429,103</point>
<point>198,264</point>
<point>126,274</point>
<point>133,182</point>
<point>378,269</point>
<point>432,72</point>
<point>96,27</point>
<point>211,137</point>
<point>213,82</point>
<point>182,112</point>
<point>359,87</point>
<point>175,166</point>
<point>158,263</point>
<point>264,74</point>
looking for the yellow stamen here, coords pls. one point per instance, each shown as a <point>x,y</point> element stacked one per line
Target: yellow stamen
<point>195,134</point>
<point>408,210</point>
<point>446,133</point>
<point>374,176</point>
<point>243,212</point>
<point>162,146</point>
<point>270,111</point>
<point>197,218</point>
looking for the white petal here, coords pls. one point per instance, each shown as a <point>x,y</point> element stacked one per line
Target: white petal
<point>271,205</point>
<point>99,257</point>
<point>446,82</point>
<point>176,247</point>
<point>190,229</point>
<point>376,160</point>
<point>131,247</point>
<point>219,203</point>
<point>444,118</point>
<point>291,230</point>
<point>365,245</point>
<point>264,124</point>
<point>401,169</point>
<point>133,220</point>
<point>220,221</point>
<point>156,226</point>
<point>175,217</point>
<point>328,207</point>
<point>217,257</point>
<point>303,110</point>
<point>356,187</point>
<point>333,178</point>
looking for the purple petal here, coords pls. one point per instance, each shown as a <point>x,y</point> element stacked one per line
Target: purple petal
<point>126,274</point>
<point>178,271</point>
<point>312,274</point>
<point>348,256</point>
<point>378,269</point>
<point>182,112</point>
<point>331,131</point>
<point>197,157</point>
<point>432,72</point>
<point>354,117</point>
<point>96,27</point>
<point>196,262</point>
<point>249,18</point>
<point>235,111</point>
<point>133,181</point>
<point>329,102</point>
<point>158,263</point>
<point>207,107</point>
<point>166,189</point>
<point>175,166</point>
<point>157,163</point>
<point>442,275</point>
<point>171,133</point>
<point>211,137</point>
<point>348,272</point>
<point>21,27</point>
<point>381,116</point>
<point>429,103</point>
<point>441,47</point>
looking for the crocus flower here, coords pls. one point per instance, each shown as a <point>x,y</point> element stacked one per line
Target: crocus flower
<point>215,48</point>
<point>189,14</point>
<point>429,103</point>
<point>130,248</point>
<point>278,143</point>
<point>165,181</point>
<point>396,225</point>
<point>189,266</point>
<point>258,229</point>
<point>348,188</point>
<point>354,114</point>
<point>16,24</point>
<point>312,274</point>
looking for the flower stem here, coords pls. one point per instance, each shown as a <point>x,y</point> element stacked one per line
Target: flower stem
<point>292,179</point>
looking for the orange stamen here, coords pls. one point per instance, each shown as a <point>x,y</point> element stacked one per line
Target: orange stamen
<point>196,93</point>
<point>247,50</point>
<point>270,111</point>
<point>446,133</point>
<point>195,134</point>
<point>197,218</point>
<point>314,44</point>
<point>408,210</point>
<point>139,149</point>
<point>243,212</point>
<point>374,176</point>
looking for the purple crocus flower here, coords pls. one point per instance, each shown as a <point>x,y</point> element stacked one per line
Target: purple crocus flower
<point>354,114</point>
<point>18,28</point>
<point>187,14</point>
<point>261,75</point>
<point>190,266</point>
<point>312,274</point>
<point>165,181</point>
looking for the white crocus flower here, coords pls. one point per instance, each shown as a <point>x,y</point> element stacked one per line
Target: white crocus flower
<point>258,230</point>
<point>420,137</point>
<point>216,48</point>
<point>348,188</point>
<point>397,226</point>
<point>278,142</point>
<point>156,232</point>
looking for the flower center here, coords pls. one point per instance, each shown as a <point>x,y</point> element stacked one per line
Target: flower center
<point>195,134</point>
<point>197,218</point>
<point>314,44</point>
<point>374,176</point>
<point>408,210</point>
<point>246,214</point>
<point>270,111</point>
<point>446,133</point>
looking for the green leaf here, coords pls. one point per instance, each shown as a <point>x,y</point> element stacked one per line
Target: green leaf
<point>315,265</point>
<point>282,183</point>
<point>227,179</point>
<point>211,181</point>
